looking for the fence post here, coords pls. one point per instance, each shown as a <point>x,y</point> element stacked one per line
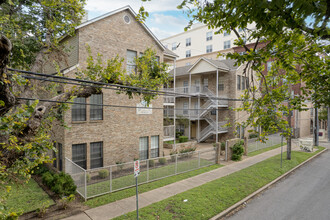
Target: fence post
<point>147,170</point>
<point>85,185</point>
<point>199,159</point>
<point>245,146</point>
<point>110,178</point>
<point>176,163</point>
<point>226,150</point>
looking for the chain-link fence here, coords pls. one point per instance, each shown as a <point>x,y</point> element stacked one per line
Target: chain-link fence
<point>99,181</point>
<point>254,144</point>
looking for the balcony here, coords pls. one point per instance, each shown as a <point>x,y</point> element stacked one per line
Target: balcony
<point>168,99</point>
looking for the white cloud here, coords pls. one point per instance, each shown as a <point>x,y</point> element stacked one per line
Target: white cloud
<point>161,33</point>
<point>161,19</point>
<point>104,6</point>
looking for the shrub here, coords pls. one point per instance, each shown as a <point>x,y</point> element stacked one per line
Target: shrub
<point>178,134</point>
<point>162,161</point>
<point>238,151</point>
<point>41,211</point>
<point>187,149</point>
<point>241,142</point>
<point>63,184</point>
<point>183,139</point>
<point>103,173</point>
<point>88,177</point>
<point>253,135</point>
<point>41,169</point>
<point>47,179</point>
<point>151,163</point>
<point>64,202</point>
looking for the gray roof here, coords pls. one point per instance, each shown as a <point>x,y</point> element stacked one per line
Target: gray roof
<point>180,71</point>
<point>225,64</point>
<point>169,52</point>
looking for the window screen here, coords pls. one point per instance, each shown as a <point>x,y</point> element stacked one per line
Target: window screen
<point>131,66</point>
<point>143,148</point>
<point>96,154</point>
<point>96,112</point>
<point>79,110</point>
<point>79,155</point>
<point>154,146</point>
<point>238,82</point>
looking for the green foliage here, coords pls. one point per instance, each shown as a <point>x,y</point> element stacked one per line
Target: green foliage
<point>88,177</point>
<point>238,151</point>
<point>40,169</point>
<point>104,173</point>
<point>66,200</point>
<point>223,145</point>
<point>151,163</point>
<point>162,161</point>
<point>253,135</point>
<point>43,209</point>
<point>183,139</point>
<point>60,183</point>
<point>187,149</point>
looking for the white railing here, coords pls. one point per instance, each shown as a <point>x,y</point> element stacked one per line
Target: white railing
<point>169,99</point>
<point>254,144</point>
<point>211,129</point>
<point>104,180</point>
<point>168,112</point>
<point>169,131</point>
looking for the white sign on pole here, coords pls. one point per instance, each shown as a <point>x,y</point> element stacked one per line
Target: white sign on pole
<point>136,168</point>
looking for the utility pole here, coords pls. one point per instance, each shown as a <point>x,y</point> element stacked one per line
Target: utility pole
<point>316,128</point>
<point>288,145</point>
<point>328,124</point>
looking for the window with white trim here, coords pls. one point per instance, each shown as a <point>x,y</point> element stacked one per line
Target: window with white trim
<point>209,48</point>
<point>238,82</point>
<point>226,44</point>
<point>188,42</point>
<point>96,153</point>
<point>208,35</point>
<point>143,148</point>
<point>185,108</point>
<point>131,65</point>
<point>185,86</point>
<point>188,53</point>
<point>79,109</point>
<point>154,148</point>
<point>79,155</point>
<point>174,46</point>
<point>96,110</point>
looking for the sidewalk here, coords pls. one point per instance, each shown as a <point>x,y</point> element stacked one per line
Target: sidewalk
<point>124,206</point>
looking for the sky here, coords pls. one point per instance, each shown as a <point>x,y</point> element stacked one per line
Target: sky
<point>164,18</point>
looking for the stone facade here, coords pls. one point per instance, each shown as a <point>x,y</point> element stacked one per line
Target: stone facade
<point>120,128</point>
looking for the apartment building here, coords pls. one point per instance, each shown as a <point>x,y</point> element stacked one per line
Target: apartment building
<point>205,93</point>
<point>200,40</point>
<point>99,135</point>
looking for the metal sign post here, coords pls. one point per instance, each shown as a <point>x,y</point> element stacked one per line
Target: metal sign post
<point>136,174</point>
<point>281,149</point>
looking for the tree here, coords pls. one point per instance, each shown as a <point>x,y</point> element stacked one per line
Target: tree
<point>31,33</point>
<point>296,35</point>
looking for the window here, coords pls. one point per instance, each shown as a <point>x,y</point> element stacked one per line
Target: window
<point>54,156</point>
<point>185,86</point>
<point>208,48</point>
<point>238,131</point>
<point>131,66</point>
<point>226,33</point>
<point>243,82</point>
<point>208,35</point>
<point>96,154</point>
<point>60,157</point>
<point>96,112</point>
<point>196,107</point>
<point>143,148</point>
<point>247,82</point>
<point>188,42</point>
<point>174,46</point>
<point>188,53</point>
<point>206,84</point>
<point>154,151</point>
<point>269,65</point>
<point>226,44</point>
<point>79,110</point>
<point>185,108</point>
<point>79,155</point>
<point>238,82</point>
<point>221,85</point>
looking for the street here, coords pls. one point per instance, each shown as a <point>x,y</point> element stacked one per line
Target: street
<point>305,194</point>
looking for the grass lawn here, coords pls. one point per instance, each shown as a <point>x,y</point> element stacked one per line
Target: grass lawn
<point>27,197</point>
<point>253,153</point>
<point>172,142</point>
<point>156,173</point>
<point>112,197</point>
<point>212,198</point>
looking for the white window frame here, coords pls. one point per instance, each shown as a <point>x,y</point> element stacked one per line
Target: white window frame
<point>143,147</point>
<point>209,48</point>
<point>188,42</point>
<point>209,36</point>
<point>226,44</point>
<point>154,147</point>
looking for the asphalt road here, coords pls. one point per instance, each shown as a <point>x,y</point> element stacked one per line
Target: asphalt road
<point>305,194</point>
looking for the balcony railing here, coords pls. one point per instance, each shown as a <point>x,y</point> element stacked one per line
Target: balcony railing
<point>169,99</point>
<point>169,132</point>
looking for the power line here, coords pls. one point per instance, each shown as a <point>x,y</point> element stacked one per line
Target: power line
<point>115,106</point>
<point>102,85</point>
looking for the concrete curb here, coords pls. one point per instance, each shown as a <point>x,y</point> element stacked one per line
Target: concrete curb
<point>231,208</point>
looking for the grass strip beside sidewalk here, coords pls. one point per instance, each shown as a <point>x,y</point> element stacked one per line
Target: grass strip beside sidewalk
<point>208,200</point>
<point>112,197</point>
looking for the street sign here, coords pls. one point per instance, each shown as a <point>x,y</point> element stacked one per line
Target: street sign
<point>136,168</point>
